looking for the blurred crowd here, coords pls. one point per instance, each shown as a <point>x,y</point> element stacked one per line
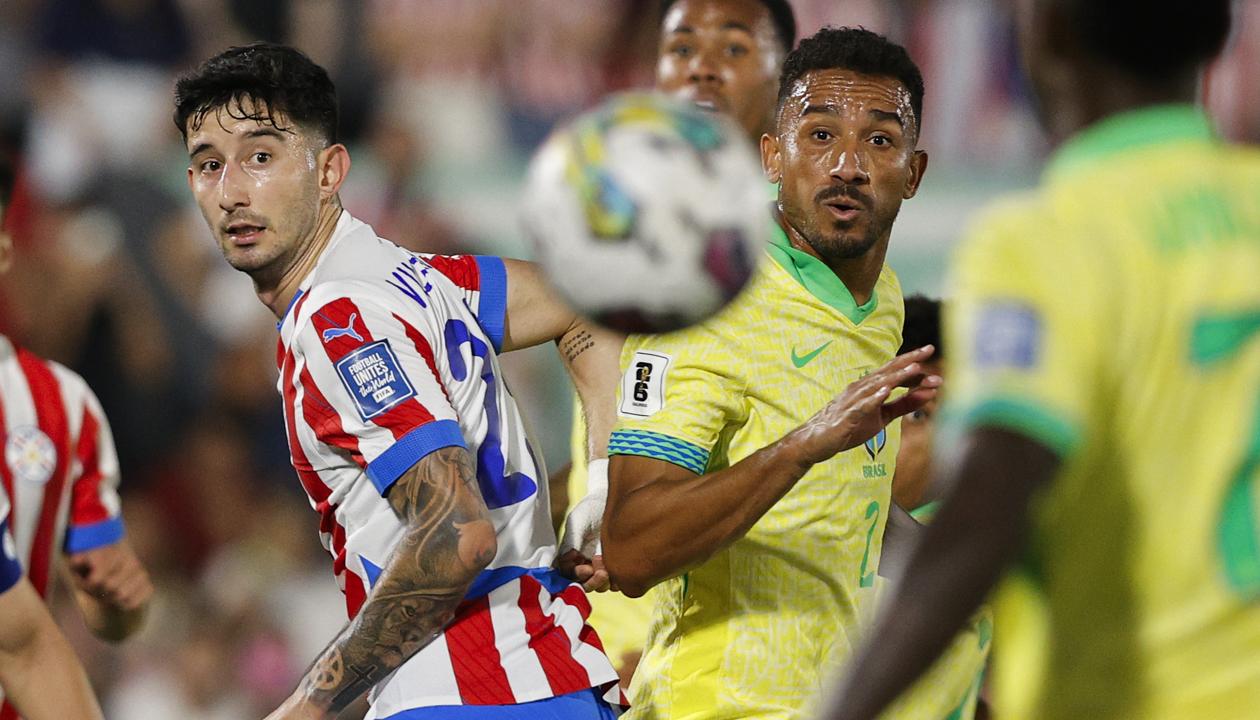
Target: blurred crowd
<point>442,103</point>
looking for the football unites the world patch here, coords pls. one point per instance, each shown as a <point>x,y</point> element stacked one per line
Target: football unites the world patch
<point>1007,335</point>
<point>373,377</point>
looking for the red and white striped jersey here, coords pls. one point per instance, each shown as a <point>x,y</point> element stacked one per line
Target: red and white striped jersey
<point>384,357</point>
<point>60,469</point>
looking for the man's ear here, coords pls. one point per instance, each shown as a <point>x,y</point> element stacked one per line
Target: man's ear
<point>771,158</point>
<point>334,165</point>
<point>918,166</point>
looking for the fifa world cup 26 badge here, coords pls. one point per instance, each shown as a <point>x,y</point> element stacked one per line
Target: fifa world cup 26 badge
<point>873,448</point>
<point>30,454</point>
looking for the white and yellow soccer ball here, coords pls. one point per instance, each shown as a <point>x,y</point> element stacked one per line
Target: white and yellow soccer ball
<point>647,214</point>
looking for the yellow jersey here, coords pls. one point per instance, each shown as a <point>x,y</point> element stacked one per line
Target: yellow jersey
<point>759,628</point>
<point>1114,316</point>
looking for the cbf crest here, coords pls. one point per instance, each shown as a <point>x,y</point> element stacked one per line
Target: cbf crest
<point>876,444</point>
<point>31,454</point>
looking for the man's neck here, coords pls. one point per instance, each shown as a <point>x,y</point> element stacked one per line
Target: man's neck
<point>858,274</point>
<point>278,295</point>
<point>1113,92</point>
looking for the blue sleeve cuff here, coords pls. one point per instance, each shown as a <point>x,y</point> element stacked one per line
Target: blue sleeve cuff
<point>410,449</point>
<point>492,307</point>
<point>661,447</point>
<point>81,538</point>
<point>10,568</point>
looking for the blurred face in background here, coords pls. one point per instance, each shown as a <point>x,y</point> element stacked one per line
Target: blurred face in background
<point>724,56</point>
<point>845,158</point>
<point>258,187</point>
<point>914,457</point>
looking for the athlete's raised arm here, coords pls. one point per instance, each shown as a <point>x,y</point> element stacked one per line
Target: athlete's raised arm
<point>662,519</point>
<point>448,540</point>
<point>38,670</point>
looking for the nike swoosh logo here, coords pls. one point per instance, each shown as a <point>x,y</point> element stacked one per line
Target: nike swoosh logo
<point>801,361</point>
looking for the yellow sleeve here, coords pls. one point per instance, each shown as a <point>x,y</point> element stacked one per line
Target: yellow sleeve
<point>678,393</point>
<point>1023,343</point>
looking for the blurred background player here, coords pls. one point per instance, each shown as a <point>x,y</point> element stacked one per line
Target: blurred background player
<point>722,485</point>
<point>42,676</point>
<point>401,428</point>
<point>1105,371</point>
<point>725,56</point>
<point>60,470</point>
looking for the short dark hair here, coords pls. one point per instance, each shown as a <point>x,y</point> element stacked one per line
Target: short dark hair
<point>780,14</point>
<point>859,50</point>
<point>922,325</point>
<point>1150,42</point>
<point>272,79</point>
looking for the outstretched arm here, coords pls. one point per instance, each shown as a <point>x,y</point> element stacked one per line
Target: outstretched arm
<point>38,670</point>
<point>662,520</point>
<point>978,531</point>
<point>448,540</point>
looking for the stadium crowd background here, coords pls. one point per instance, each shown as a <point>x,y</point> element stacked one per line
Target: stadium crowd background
<point>443,102</point>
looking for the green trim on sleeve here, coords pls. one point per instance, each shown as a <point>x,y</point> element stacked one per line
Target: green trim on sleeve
<point>661,447</point>
<point>1027,418</point>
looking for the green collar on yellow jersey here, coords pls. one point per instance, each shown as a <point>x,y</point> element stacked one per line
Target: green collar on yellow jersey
<point>1127,131</point>
<point>814,275</point>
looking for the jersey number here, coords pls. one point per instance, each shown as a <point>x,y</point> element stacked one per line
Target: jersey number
<point>498,488</point>
<point>867,579</point>
<point>1217,338</point>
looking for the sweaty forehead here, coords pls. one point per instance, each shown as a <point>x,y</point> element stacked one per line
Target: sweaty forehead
<point>718,14</point>
<point>847,91</point>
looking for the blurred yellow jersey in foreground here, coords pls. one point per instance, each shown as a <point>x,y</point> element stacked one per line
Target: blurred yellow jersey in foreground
<point>1115,317</point>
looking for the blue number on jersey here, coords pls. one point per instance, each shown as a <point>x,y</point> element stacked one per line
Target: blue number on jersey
<point>497,488</point>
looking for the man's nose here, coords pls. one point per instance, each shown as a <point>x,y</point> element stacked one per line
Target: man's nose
<point>233,191</point>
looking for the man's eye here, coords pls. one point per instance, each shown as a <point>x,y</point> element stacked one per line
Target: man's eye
<point>210,166</point>
<point>821,135</point>
<point>881,140</point>
<point>262,157</point>
<point>681,50</point>
<point>737,50</point>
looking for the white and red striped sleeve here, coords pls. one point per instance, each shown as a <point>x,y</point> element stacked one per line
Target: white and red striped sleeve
<point>10,567</point>
<point>483,280</point>
<point>95,511</point>
<point>373,386</point>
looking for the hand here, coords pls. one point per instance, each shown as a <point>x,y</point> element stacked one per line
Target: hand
<point>863,409</point>
<point>113,575</point>
<point>589,571</point>
<point>580,557</point>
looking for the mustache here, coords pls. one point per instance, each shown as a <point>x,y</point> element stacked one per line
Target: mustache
<point>848,192</point>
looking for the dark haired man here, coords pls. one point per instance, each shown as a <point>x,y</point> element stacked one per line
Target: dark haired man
<point>1105,378</point>
<point>401,429</point>
<point>724,56</point>
<point>725,487</point>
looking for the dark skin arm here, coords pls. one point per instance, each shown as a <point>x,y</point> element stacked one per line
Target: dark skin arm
<point>662,520</point>
<point>448,540</point>
<point>977,533</point>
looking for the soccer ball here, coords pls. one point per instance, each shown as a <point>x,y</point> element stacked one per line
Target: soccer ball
<point>647,214</point>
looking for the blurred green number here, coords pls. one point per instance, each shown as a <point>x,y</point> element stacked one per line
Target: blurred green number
<point>1216,338</point>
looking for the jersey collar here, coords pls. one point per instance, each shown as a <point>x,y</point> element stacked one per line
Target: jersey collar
<point>1128,131</point>
<point>814,275</point>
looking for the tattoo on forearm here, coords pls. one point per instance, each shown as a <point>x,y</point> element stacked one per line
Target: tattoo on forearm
<point>449,539</point>
<point>576,345</point>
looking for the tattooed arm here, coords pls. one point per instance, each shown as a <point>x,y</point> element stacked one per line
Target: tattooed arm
<point>448,540</point>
